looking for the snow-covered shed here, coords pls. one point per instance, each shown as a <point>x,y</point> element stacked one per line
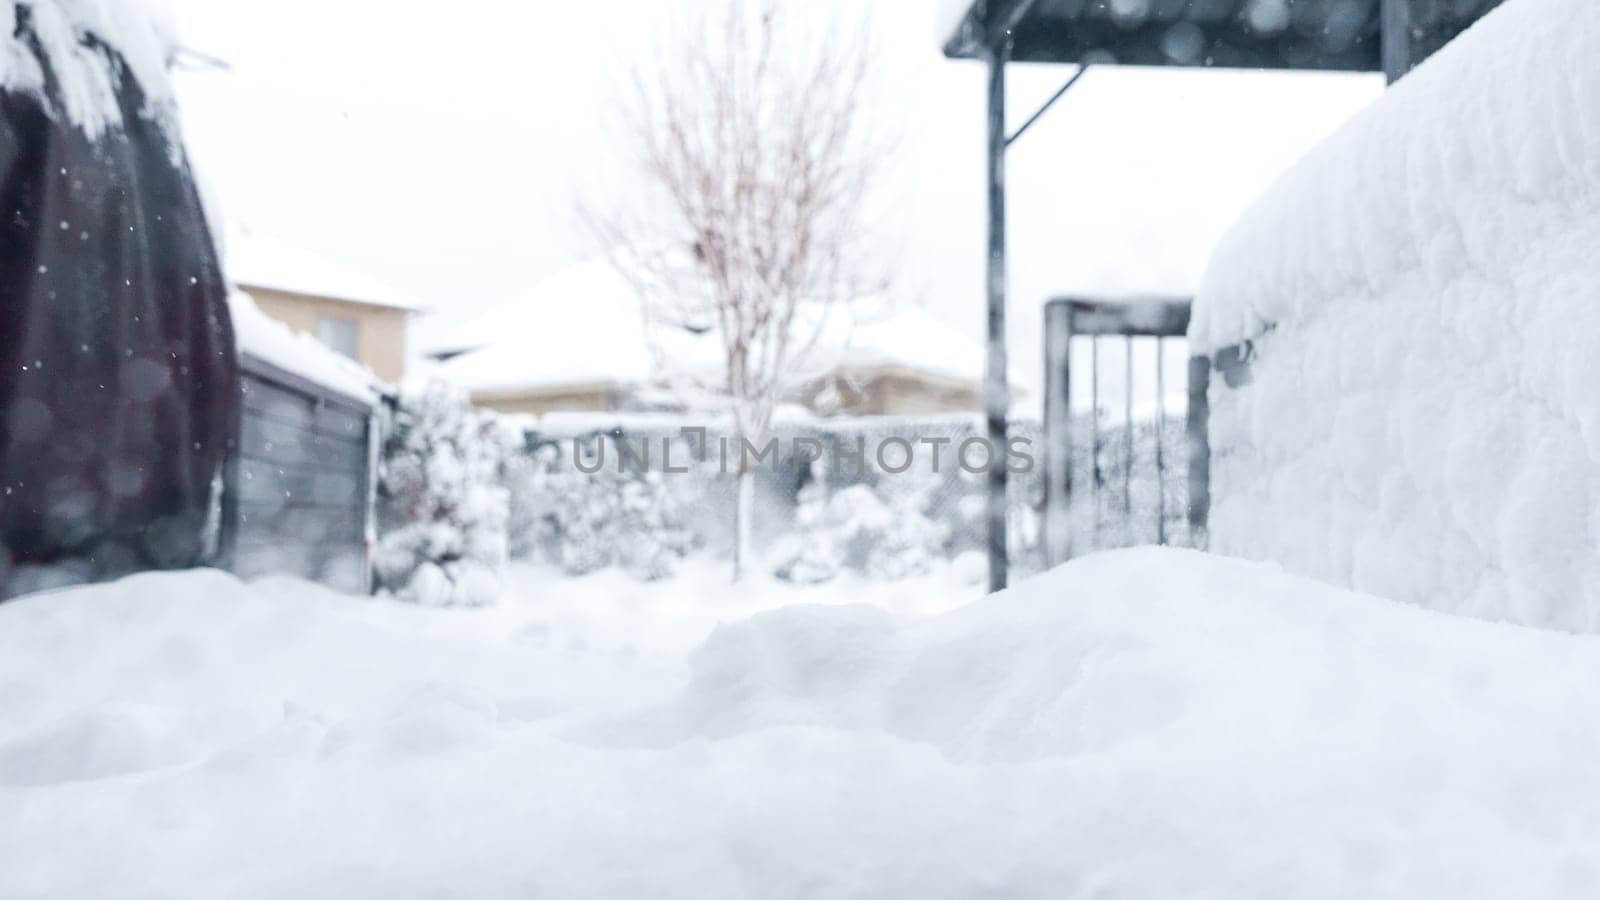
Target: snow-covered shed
<point>1418,416</point>
<point>580,342</point>
<point>301,484</point>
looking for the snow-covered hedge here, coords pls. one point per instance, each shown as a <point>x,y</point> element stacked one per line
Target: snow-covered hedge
<point>887,531</point>
<point>640,521</point>
<point>1422,420</point>
<point>809,526</point>
<point>443,505</point>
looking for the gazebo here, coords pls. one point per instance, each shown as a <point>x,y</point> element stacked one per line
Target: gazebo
<point>1389,36</point>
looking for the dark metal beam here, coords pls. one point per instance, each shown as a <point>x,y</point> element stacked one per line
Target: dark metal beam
<point>1047,104</point>
<point>1003,18</point>
<point>1215,45</point>
<point>996,390</point>
<point>1347,36</point>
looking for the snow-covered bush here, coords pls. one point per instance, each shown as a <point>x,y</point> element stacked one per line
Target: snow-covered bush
<point>443,509</point>
<point>884,532</point>
<point>532,501</point>
<point>585,521</point>
<point>809,554</point>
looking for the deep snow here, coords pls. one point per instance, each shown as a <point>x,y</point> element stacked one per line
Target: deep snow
<point>1428,390</point>
<point>1148,723</point>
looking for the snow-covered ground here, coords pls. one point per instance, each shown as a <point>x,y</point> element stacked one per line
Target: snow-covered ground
<point>1143,723</point>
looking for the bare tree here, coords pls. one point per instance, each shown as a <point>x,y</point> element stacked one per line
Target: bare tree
<point>753,149</point>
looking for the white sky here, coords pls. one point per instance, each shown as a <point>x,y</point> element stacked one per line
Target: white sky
<point>444,148</point>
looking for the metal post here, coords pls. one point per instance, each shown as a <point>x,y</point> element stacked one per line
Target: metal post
<point>1095,475</point>
<point>997,394</point>
<point>1057,432</point>
<point>1127,434</point>
<point>1161,458</point>
<point>1199,450</point>
<point>1394,43</point>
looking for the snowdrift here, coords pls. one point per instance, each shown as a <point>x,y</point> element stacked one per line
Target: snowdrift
<point>1139,724</point>
<point>1422,421</point>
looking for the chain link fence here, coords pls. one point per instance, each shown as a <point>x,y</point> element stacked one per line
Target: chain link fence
<point>601,489</point>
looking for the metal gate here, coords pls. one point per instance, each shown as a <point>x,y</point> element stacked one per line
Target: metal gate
<point>1147,481</point>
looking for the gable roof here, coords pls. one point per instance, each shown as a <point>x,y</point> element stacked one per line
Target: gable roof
<point>258,261</point>
<point>581,326</point>
<point>585,326</point>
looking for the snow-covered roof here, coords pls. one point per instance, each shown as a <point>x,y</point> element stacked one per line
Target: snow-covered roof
<point>1500,120</point>
<point>581,326</point>
<point>913,339</point>
<point>255,260</point>
<point>586,326</point>
<point>267,339</point>
<point>140,31</point>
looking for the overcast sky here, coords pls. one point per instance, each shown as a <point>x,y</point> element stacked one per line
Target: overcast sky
<point>444,147</point>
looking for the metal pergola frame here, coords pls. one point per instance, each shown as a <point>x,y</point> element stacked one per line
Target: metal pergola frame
<point>1391,36</point>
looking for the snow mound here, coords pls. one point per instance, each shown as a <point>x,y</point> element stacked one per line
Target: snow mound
<point>1422,421</point>
<point>1147,723</point>
<point>1492,142</point>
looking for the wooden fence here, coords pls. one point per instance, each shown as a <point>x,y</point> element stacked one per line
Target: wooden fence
<point>299,492</point>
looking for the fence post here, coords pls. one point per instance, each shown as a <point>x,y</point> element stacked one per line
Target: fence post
<point>1057,432</point>
<point>996,391</point>
<point>1199,449</point>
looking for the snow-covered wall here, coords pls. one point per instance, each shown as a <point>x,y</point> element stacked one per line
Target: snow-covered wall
<point>1424,416</point>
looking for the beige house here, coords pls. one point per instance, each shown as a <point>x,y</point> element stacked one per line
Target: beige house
<point>348,311</point>
<point>578,342</point>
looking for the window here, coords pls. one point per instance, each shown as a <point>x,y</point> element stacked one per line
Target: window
<point>343,335</point>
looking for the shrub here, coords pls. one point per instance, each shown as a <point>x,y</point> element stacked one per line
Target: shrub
<point>443,509</point>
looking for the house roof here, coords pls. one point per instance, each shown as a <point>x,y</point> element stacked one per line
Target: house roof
<point>582,326</point>
<point>259,261</point>
<point>585,326</point>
